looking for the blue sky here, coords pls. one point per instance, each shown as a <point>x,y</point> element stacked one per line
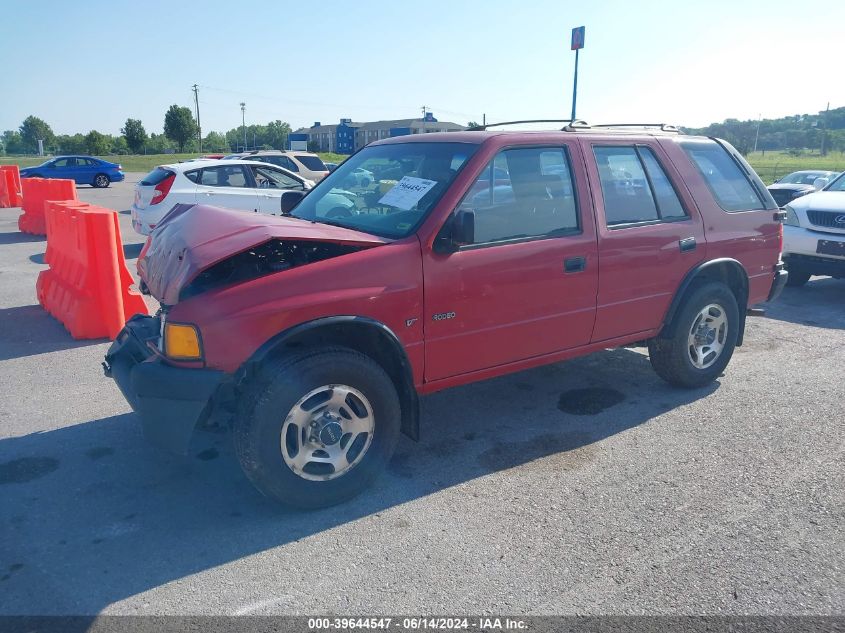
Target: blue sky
<point>90,65</point>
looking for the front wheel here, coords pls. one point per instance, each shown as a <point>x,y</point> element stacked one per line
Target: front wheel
<point>704,338</point>
<point>316,427</point>
<point>101,181</point>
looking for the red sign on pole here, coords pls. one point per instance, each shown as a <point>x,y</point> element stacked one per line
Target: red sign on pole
<point>577,38</point>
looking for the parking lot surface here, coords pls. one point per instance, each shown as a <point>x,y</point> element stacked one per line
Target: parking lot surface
<point>586,487</point>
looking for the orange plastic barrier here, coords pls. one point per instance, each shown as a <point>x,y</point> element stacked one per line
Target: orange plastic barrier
<point>36,191</point>
<point>87,284</point>
<point>10,186</point>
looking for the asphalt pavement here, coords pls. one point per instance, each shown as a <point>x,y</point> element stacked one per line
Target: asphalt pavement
<point>586,487</point>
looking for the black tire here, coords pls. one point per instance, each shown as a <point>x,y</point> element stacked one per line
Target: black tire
<point>797,278</point>
<point>672,358</point>
<point>101,181</point>
<point>277,388</point>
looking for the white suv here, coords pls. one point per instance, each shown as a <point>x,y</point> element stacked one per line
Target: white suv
<point>235,184</point>
<point>306,164</point>
<point>814,235</point>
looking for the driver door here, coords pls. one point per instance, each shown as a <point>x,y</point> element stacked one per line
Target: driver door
<point>270,184</point>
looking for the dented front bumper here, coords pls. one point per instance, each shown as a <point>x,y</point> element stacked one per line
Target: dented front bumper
<point>171,401</point>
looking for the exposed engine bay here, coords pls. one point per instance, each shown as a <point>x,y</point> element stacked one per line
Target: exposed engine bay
<point>270,257</point>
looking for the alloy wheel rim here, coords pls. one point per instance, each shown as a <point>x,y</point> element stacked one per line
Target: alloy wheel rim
<point>327,432</point>
<point>707,336</point>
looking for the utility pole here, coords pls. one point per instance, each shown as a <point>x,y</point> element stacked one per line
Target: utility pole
<point>823,149</point>
<point>484,119</point>
<point>424,109</point>
<point>243,121</point>
<point>757,133</point>
<point>199,127</point>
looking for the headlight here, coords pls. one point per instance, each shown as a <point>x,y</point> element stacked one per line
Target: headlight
<point>182,342</point>
<point>791,216</point>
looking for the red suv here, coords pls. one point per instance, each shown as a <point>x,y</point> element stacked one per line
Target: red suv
<point>474,254</point>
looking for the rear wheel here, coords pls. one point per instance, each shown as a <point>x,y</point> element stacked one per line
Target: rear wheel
<point>101,181</point>
<point>797,277</point>
<point>705,333</point>
<point>316,427</point>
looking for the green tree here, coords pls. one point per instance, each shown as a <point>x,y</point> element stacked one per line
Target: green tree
<point>215,142</point>
<point>75,144</point>
<point>34,129</point>
<point>119,146</point>
<point>13,142</point>
<point>179,125</point>
<point>276,134</point>
<point>135,135</point>
<point>97,144</point>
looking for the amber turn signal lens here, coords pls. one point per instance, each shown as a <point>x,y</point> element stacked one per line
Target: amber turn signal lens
<point>182,341</point>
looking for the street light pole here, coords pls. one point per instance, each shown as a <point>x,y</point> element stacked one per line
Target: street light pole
<point>243,121</point>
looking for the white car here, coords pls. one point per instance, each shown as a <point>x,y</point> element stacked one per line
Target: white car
<point>814,234</point>
<point>235,184</point>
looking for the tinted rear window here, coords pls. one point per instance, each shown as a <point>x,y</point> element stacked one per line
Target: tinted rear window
<point>156,176</point>
<point>314,163</point>
<point>730,186</point>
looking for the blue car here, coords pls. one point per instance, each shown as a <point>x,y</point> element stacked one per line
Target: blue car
<point>85,170</point>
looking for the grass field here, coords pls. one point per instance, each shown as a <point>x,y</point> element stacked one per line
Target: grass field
<point>773,165</point>
<point>138,163</point>
<point>770,165</point>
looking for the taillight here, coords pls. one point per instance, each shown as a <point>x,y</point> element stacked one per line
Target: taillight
<point>162,189</point>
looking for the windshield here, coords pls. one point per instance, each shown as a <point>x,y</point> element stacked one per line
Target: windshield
<point>838,184</point>
<point>804,177</point>
<point>386,190</point>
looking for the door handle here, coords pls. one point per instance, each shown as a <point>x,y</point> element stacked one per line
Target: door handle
<point>687,244</point>
<point>574,264</point>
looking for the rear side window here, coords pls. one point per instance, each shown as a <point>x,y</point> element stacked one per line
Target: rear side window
<point>156,176</point>
<point>313,163</point>
<point>729,185</point>
<point>233,176</point>
<point>634,186</point>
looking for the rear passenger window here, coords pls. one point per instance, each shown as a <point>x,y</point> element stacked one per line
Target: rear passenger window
<point>523,193</point>
<point>730,186</point>
<point>635,187</point>
<point>193,176</point>
<point>223,176</point>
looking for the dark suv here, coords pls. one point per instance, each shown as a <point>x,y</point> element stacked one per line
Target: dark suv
<point>476,254</point>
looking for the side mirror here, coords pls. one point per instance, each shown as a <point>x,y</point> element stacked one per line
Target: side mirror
<point>820,183</point>
<point>458,231</point>
<point>289,200</point>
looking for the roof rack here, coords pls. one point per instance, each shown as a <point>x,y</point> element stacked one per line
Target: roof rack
<point>573,125</point>
<point>481,128</point>
<point>663,127</point>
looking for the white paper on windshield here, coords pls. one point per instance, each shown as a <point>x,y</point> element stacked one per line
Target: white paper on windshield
<point>407,192</point>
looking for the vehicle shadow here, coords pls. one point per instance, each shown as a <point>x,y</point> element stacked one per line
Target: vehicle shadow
<point>30,330</point>
<point>820,303</point>
<point>92,514</point>
<point>130,251</point>
<point>19,237</point>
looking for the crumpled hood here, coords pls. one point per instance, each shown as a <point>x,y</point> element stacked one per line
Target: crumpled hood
<point>192,238</point>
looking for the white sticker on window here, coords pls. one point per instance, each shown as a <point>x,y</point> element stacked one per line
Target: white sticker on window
<point>407,192</point>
